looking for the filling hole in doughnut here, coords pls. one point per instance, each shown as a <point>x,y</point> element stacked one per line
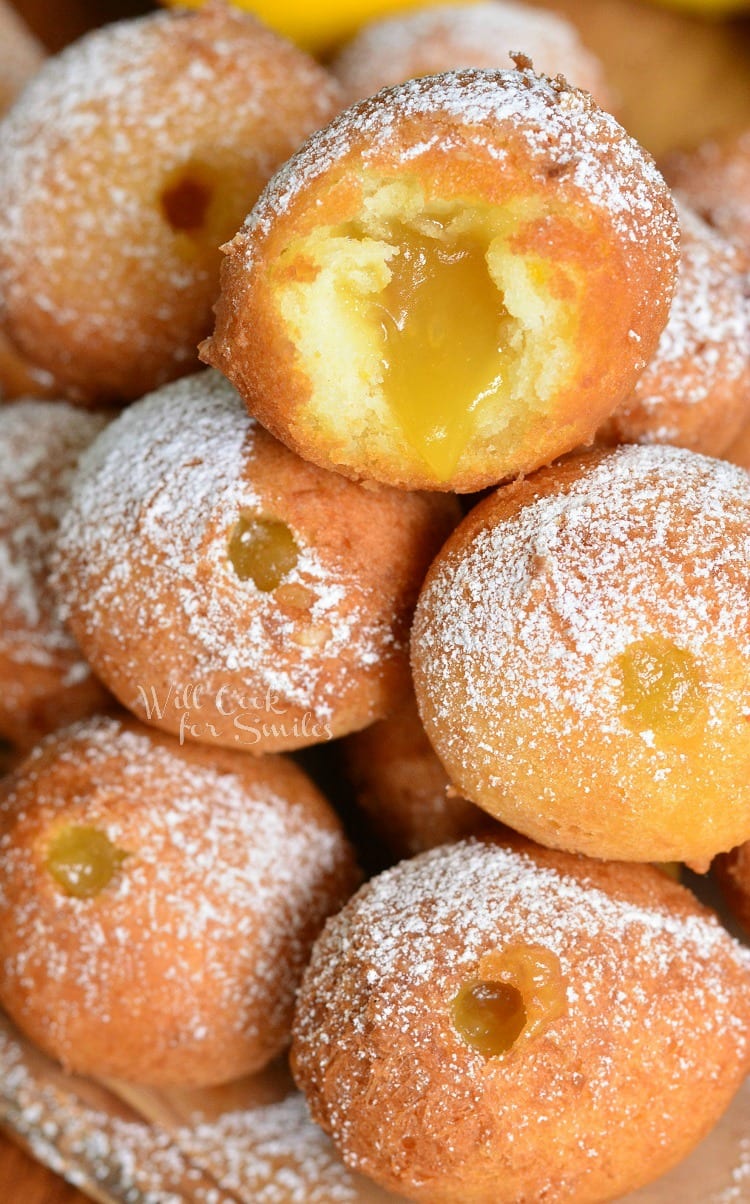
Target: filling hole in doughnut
<point>425,315</point>
<point>516,994</point>
<point>262,550</point>
<point>83,861</point>
<point>661,687</point>
<point>490,1016</point>
<point>185,203</point>
<point>203,204</point>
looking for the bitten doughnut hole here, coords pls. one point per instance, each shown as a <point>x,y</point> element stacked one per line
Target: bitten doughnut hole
<point>417,297</point>
<point>459,335</point>
<point>265,551</point>
<point>83,861</point>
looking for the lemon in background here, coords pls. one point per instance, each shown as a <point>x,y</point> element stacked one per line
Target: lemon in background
<point>707,8</point>
<point>317,24</point>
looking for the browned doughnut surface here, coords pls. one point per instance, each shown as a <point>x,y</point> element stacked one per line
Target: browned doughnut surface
<point>130,158</point>
<point>448,37</point>
<point>733,873</point>
<point>715,179</point>
<point>227,590</point>
<point>695,391</point>
<point>21,55</point>
<point>403,789</point>
<point>44,680</point>
<point>491,219</point>
<point>19,378</point>
<point>633,1037</point>
<point>580,654</point>
<point>158,903</point>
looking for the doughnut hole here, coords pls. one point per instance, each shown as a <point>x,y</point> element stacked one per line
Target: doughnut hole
<point>159,902</point>
<point>83,861</point>
<point>264,551</point>
<point>618,1089</point>
<point>661,687</point>
<point>459,333</point>
<point>187,116</point>
<point>434,294</point>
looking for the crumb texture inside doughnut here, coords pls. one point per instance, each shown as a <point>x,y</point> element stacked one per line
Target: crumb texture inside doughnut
<point>424,313</point>
<point>262,550</point>
<point>661,687</point>
<point>83,860</point>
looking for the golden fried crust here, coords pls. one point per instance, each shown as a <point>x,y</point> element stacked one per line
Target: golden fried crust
<point>44,680</point>
<point>599,698</point>
<point>447,37</point>
<point>182,970</point>
<point>715,179</point>
<point>179,638</point>
<point>402,787</point>
<point>102,283</point>
<point>618,1085</point>
<point>21,55</point>
<point>604,221</point>
<point>695,391</point>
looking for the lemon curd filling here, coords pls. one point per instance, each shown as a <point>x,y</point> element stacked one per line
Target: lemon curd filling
<point>516,994</point>
<point>442,324</point>
<point>83,860</point>
<point>661,688</point>
<point>490,1016</point>
<point>425,319</point>
<point>262,550</point>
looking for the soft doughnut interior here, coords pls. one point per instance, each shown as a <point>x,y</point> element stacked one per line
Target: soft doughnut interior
<point>426,314</point>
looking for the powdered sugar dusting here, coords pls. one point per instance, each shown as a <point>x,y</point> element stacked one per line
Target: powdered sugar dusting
<point>649,541</point>
<point>702,362</point>
<point>593,160</point>
<point>86,152</point>
<point>271,1154</point>
<point>637,975</point>
<point>226,870</point>
<point>449,37</point>
<point>715,179</point>
<point>148,529</point>
<point>40,443</point>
